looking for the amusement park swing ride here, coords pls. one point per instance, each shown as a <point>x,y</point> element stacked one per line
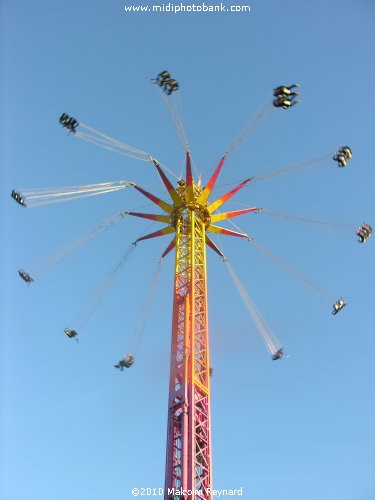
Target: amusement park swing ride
<point>191,216</point>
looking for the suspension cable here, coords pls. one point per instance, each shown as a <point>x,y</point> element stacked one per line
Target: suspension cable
<point>174,112</point>
<point>269,337</point>
<point>138,332</point>
<point>46,196</point>
<point>114,141</point>
<point>327,296</point>
<point>291,168</point>
<point>83,318</point>
<point>70,249</point>
<point>118,151</point>
<point>298,218</point>
<point>251,126</point>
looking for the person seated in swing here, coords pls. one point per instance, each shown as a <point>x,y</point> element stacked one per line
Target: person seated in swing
<point>346,151</point>
<point>341,159</point>
<point>285,102</point>
<point>364,232</point>
<point>278,354</point>
<point>68,122</point>
<point>284,91</point>
<point>162,78</point>
<point>338,306</point>
<point>72,334</point>
<point>170,86</point>
<point>18,197</point>
<point>126,362</point>
<point>25,276</point>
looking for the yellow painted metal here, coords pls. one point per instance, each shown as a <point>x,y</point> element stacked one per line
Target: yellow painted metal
<point>228,215</point>
<point>189,432</point>
<point>163,218</point>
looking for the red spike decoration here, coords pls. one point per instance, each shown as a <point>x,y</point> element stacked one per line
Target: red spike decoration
<point>158,218</point>
<point>164,206</point>
<point>189,458</point>
<point>170,247</point>
<point>161,232</point>
<point>229,215</point>
<point>228,232</point>
<point>207,190</point>
<point>189,179</point>
<point>212,245</point>
<point>216,204</point>
<point>171,190</point>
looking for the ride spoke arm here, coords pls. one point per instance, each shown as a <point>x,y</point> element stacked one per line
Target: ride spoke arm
<point>212,245</point>
<point>162,204</point>
<point>228,232</point>
<point>169,248</point>
<point>217,204</point>
<point>171,190</point>
<point>235,213</point>
<point>189,179</point>
<point>160,218</point>
<point>161,232</point>
<point>207,190</point>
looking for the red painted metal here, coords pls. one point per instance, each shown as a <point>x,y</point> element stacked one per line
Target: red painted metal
<point>188,457</point>
<point>161,232</point>
<point>165,206</point>
<point>188,473</point>
<point>216,204</point>
<point>210,184</point>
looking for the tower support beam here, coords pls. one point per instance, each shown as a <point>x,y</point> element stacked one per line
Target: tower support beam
<point>188,461</point>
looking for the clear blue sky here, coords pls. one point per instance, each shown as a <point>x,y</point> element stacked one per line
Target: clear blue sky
<point>73,427</point>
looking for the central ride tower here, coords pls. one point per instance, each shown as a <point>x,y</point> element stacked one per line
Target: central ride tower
<point>188,460</point>
<point>190,217</point>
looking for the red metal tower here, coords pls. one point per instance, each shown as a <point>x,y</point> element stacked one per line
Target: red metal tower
<point>188,457</point>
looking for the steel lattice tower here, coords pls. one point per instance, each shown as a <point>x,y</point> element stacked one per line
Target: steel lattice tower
<point>189,432</point>
<point>190,217</point>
